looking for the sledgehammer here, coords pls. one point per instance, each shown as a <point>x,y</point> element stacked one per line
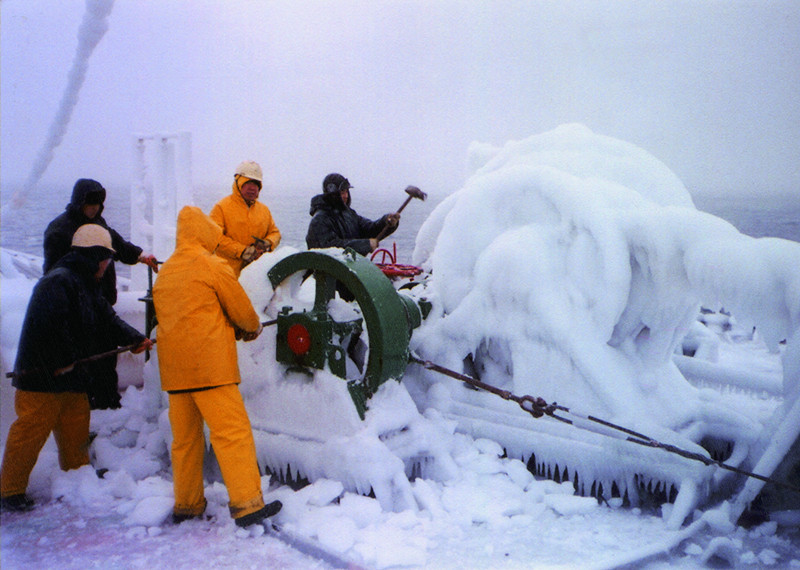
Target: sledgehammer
<point>413,192</point>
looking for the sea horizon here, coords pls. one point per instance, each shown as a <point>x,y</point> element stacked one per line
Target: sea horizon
<point>22,229</point>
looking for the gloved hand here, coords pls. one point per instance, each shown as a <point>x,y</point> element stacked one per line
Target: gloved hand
<point>248,336</point>
<point>146,344</point>
<point>392,220</point>
<point>150,260</point>
<point>262,245</point>
<point>250,254</point>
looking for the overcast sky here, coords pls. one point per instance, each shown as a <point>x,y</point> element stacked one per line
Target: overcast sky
<point>392,92</point>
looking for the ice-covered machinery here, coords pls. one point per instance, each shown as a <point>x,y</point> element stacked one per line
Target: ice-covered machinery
<point>313,339</point>
<point>365,351</point>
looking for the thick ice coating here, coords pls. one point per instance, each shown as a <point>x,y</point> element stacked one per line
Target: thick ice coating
<point>571,266</point>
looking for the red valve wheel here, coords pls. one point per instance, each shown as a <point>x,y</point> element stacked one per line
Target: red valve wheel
<point>393,269</point>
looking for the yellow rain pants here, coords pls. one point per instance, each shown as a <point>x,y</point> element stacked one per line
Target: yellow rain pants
<point>65,414</point>
<point>223,410</point>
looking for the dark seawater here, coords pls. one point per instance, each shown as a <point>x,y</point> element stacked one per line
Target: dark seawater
<point>22,229</point>
<point>757,216</point>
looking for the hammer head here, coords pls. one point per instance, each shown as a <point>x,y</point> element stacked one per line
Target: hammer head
<point>415,192</point>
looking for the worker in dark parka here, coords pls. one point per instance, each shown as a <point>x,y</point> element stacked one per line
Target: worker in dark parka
<point>68,319</point>
<point>86,207</point>
<point>335,224</point>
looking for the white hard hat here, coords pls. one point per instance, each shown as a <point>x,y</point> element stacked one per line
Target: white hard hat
<point>91,235</point>
<point>250,169</point>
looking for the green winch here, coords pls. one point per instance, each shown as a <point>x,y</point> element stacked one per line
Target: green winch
<point>313,339</point>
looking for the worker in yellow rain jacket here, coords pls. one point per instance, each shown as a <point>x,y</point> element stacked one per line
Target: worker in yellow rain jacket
<point>202,310</point>
<point>247,225</point>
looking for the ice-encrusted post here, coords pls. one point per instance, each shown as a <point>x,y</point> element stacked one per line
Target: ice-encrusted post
<point>163,199</point>
<point>183,170</point>
<point>141,228</point>
<point>162,184</point>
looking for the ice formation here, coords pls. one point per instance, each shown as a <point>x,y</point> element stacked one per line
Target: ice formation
<point>571,266</point>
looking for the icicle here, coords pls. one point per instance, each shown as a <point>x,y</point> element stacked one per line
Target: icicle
<point>92,29</point>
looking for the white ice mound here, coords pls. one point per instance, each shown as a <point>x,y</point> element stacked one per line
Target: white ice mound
<point>571,265</point>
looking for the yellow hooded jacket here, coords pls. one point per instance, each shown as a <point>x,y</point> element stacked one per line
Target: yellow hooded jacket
<point>239,223</point>
<point>198,302</point>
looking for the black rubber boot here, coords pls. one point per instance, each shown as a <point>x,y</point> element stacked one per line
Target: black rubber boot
<point>178,519</point>
<point>259,516</point>
<point>17,503</point>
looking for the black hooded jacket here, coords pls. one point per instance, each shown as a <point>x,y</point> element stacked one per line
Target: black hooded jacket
<point>58,235</point>
<point>336,224</point>
<point>67,319</point>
